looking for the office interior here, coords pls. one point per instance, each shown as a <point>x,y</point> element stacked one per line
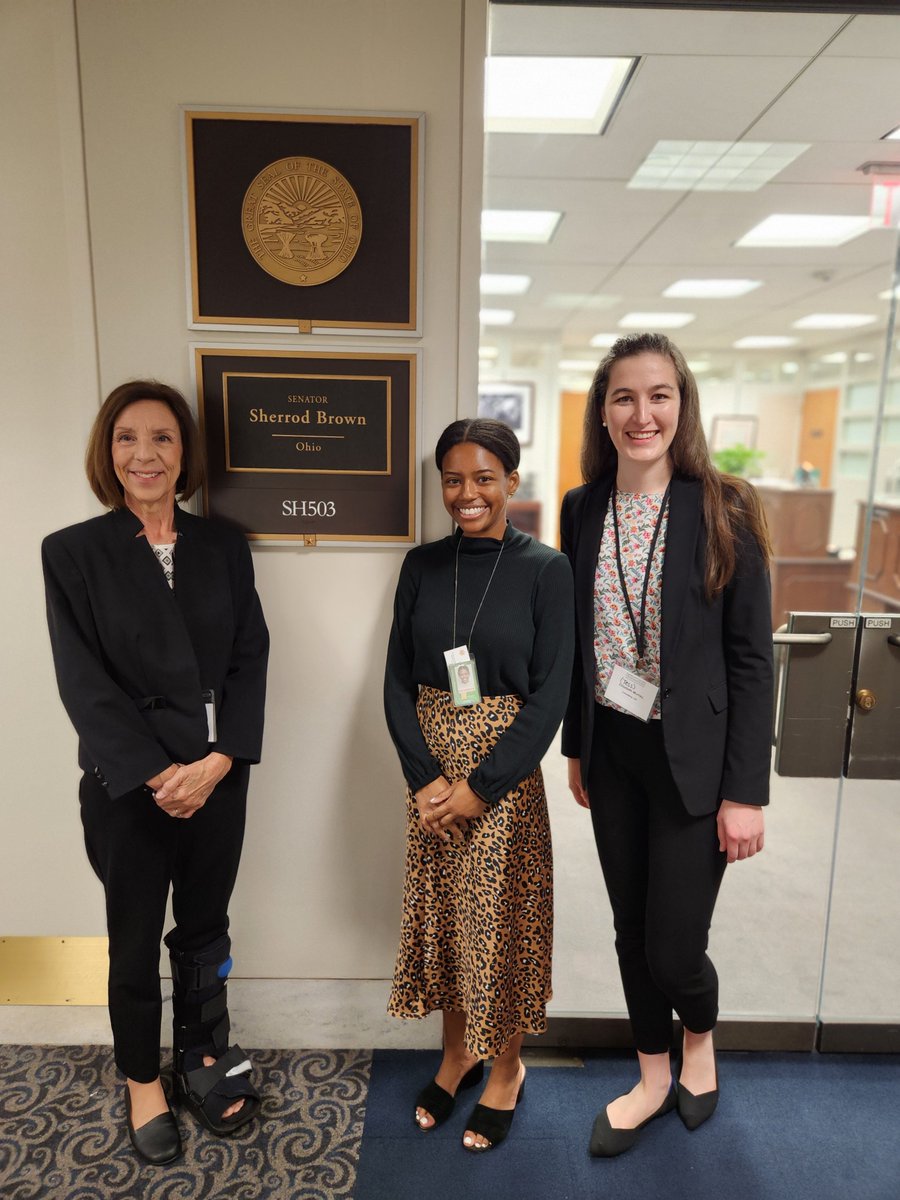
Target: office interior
<point>750,113</point>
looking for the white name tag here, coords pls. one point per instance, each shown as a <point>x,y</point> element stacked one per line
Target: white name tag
<point>209,700</point>
<point>637,696</point>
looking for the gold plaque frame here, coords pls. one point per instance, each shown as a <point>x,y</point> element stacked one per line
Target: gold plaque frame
<point>307,221</point>
<point>312,446</point>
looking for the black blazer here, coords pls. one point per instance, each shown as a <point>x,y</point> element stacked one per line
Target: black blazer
<point>716,688</point>
<point>133,657</point>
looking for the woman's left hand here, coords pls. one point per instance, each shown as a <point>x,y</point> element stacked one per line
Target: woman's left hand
<point>452,810</point>
<point>189,788</point>
<point>740,828</point>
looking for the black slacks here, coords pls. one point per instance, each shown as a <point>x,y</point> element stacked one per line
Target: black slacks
<point>138,851</point>
<point>662,869</point>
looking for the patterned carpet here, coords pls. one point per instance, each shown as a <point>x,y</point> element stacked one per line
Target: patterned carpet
<point>63,1137</point>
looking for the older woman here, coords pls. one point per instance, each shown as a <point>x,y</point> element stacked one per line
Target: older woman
<point>476,683</point>
<point>160,650</point>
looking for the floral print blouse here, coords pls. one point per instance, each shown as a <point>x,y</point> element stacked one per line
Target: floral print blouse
<point>614,637</point>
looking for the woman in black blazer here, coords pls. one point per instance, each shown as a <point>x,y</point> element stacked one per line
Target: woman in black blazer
<point>160,649</point>
<point>668,728</point>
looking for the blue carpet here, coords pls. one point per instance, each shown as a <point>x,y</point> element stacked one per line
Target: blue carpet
<point>788,1127</point>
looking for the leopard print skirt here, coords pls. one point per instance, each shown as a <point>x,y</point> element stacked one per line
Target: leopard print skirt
<point>477,929</point>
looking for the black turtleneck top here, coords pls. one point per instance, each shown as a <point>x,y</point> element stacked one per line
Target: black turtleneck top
<point>523,645</point>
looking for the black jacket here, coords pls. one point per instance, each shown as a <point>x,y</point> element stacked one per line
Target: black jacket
<point>716,677</point>
<point>133,657</point>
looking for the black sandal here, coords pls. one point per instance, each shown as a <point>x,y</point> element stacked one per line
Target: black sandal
<point>438,1102</point>
<point>492,1123</point>
<point>201,1028</point>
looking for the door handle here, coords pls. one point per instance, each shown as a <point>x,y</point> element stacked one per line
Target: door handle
<point>893,639</point>
<point>802,639</point>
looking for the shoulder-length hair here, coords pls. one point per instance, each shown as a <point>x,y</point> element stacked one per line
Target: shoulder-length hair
<point>98,458</point>
<point>730,504</point>
<point>491,435</point>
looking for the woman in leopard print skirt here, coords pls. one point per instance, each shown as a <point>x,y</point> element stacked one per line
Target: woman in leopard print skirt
<point>476,684</point>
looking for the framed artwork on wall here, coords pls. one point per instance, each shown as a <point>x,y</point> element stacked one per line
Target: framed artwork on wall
<point>304,221</point>
<point>511,403</point>
<point>311,446</point>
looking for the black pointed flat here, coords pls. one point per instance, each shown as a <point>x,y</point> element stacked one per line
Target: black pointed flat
<point>607,1142</point>
<point>694,1110</point>
<point>158,1141</point>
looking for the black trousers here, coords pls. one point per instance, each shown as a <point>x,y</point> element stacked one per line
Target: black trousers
<point>138,852</point>
<point>662,869</point>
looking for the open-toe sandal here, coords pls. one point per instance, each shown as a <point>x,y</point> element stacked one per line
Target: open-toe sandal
<point>438,1102</point>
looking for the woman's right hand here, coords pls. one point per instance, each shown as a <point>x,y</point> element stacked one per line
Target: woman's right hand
<point>163,777</point>
<point>428,819</point>
<point>575,785</point>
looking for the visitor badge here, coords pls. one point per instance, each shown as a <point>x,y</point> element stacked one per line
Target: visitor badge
<point>463,676</point>
<point>637,696</point>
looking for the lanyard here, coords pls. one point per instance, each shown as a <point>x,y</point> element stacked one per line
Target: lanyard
<point>639,629</point>
<point>483,598</point>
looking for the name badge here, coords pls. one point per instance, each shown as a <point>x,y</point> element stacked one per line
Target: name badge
<point>463,676</point>
<point>209,699</point>
<point>637,696</point>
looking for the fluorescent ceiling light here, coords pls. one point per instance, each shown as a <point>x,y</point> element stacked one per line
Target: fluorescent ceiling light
<point>656,320</point>
<point>714,166</point>
<point>516,225</point>
<point>603,341</point>
<point>763,343</point>
<point>699,368</point>
<point>579,365</point>
<point>804,229</point>
<point>839,356</point>
<point>893,136</point>
<point>710,289</point>
<point>834,321</point>
<point>505,285</point>
<point>488,352</point>
<point>890,292</point>
<point>593,301</point>
<point>552,95</point>
<point>863,356</point>
<point>496,316</point>
<point>790,368</point>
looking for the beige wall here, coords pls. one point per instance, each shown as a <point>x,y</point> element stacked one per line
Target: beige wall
<point>320,882</point>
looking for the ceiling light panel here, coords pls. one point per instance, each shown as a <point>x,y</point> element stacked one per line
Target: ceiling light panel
<point>595,302</point>
<point>656,320</point>
<point>763,343</point>
<point>552,95</point>
<point>804,229</point>
<point>714,166</point>
<point>496,316</point>
<point>834,321</point>
<point>710,289</point>
<point>505,285</point>
<point>603,341</point>
<point>518,225</point>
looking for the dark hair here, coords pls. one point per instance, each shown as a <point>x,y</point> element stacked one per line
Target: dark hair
<point>729,503</point>
<point>492,435</point>
<point>98,457</point>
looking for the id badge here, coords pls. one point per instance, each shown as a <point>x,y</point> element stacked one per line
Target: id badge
<point>636,695</point>
<point>209,699</point>
<point>463,676</point>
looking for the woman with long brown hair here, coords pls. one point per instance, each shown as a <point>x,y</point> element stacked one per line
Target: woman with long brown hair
<point>669,723</point>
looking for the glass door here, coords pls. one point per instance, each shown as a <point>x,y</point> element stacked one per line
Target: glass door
<point>711,187</point>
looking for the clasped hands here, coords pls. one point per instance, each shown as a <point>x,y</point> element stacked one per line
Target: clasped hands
<point>183,788</point>
<point>445,809</point>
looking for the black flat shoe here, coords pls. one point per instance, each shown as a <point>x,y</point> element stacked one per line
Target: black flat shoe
<point>694,1110</point>
<point>438,1102</point>
<point>158,1141</point>
<point>607,1142</point>
<point>492,1123</point>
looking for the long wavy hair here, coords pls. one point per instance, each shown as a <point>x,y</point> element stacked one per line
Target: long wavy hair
<point>730,504</point>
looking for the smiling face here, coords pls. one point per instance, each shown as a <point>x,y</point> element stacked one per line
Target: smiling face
<point>146,454</point>
<point>476,490</point>
<point>641,413</point>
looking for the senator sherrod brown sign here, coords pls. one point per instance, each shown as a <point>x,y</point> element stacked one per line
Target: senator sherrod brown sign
<point>310,446</point>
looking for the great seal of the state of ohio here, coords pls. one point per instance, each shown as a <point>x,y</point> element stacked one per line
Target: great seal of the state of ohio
<point>301,221</point>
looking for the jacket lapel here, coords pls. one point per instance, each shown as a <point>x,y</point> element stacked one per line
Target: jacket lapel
<point>593,514</point>
<point>678,564</point>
